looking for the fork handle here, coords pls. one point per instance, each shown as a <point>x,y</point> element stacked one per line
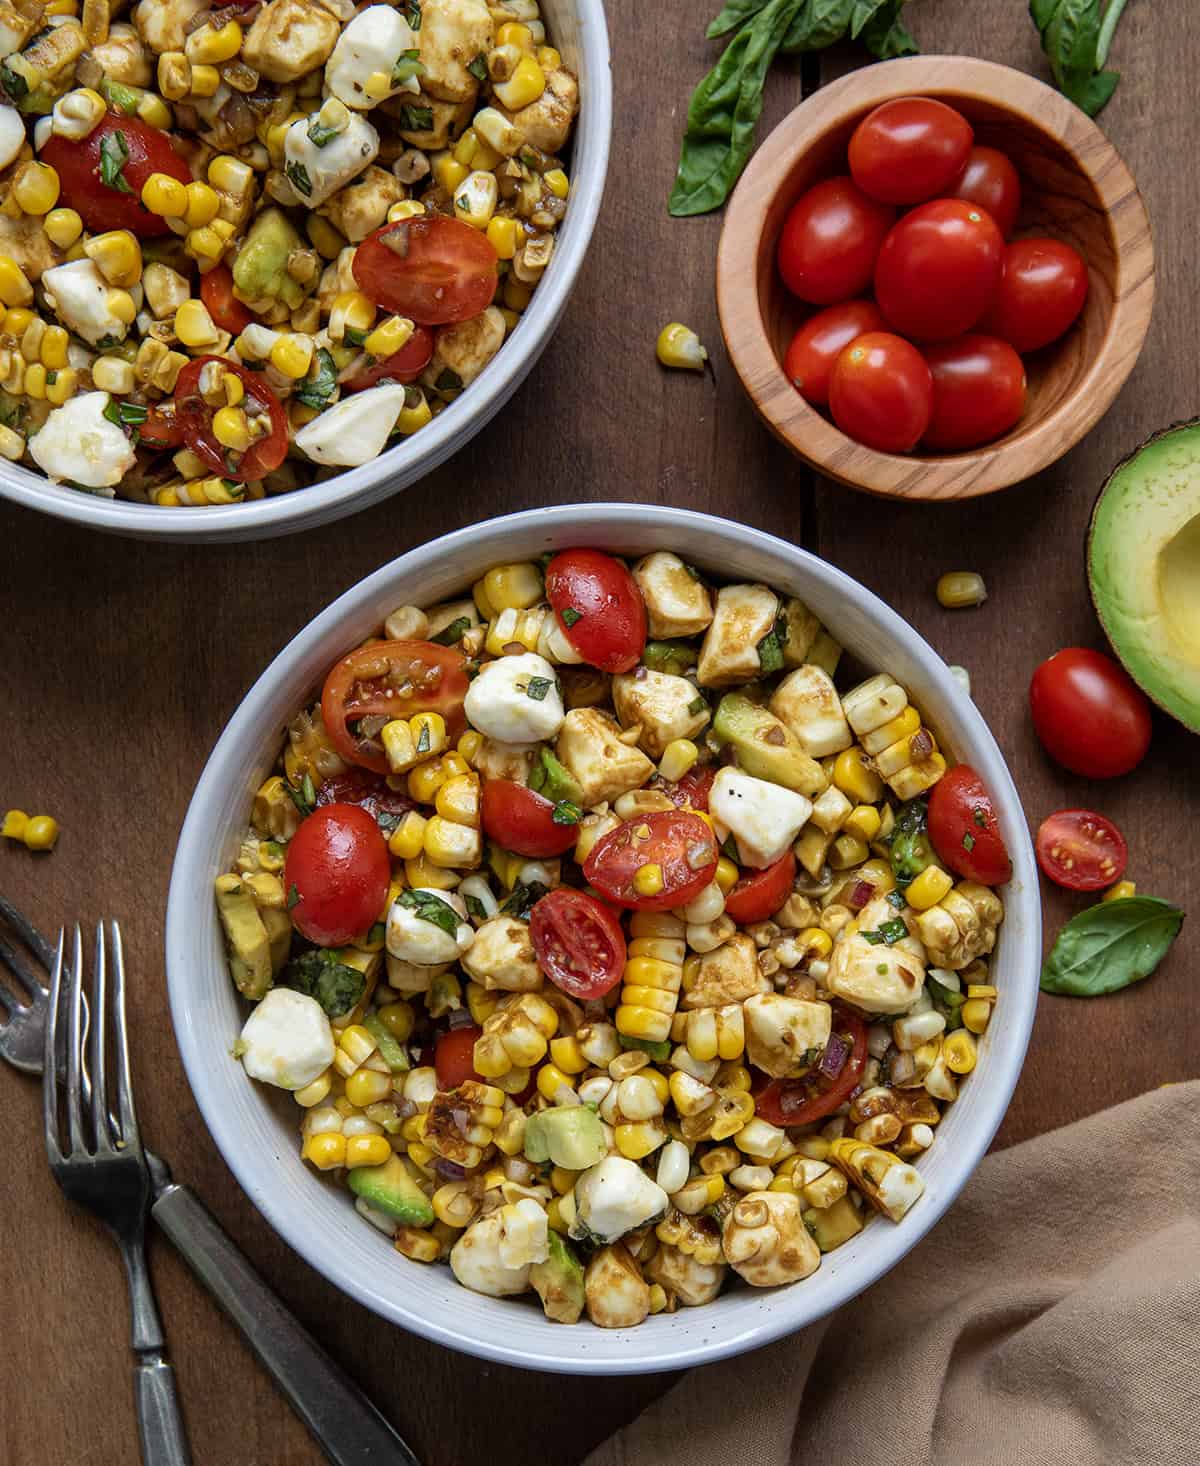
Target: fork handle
<point>160,1422</point>
<point>348,1428</point>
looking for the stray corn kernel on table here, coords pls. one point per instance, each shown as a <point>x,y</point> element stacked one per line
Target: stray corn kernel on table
<point>123,662</point>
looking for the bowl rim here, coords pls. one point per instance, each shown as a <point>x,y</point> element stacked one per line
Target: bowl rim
<point>684,1342</point>
<point>359,488</point>
<point>978,471</point>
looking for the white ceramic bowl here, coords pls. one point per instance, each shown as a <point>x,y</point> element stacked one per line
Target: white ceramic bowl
<point>257,1129</point>
<point>579,31</point>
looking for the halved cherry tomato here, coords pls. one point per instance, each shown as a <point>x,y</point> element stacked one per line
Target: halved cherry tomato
<point>978,391</point>
<point>130,151</point>
<point>1081,850</point>
<point>599,607</point>
<point>990,180</point>
<point>433,269</point>
<point>216,291</point>
<point>454,1057</point>
<point>195,416</point>
<point>680,844</point>
<point>162,428</point>
<point>821,340</point>
<point>523,821</point>
<point>881,392</point>
<point>938,270</point>
<point>962,826</point>
<point>830,240</point>
<point>1043,286</point>
<point>909,149</point>
<point>1089,713</point>
<point>405,365</point>
<point>387,680</point>
<point>578,942</point>
<point>370,792</point>
<point>812,1096</point>
<point>690,792</point>
<point>758,896</point>
<point>337,866</point>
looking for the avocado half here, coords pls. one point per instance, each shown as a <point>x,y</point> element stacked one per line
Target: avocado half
<point>1143,562</point>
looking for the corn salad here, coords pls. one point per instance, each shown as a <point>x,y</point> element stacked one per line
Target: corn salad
<point>644,968</point>
<point>246,246</point>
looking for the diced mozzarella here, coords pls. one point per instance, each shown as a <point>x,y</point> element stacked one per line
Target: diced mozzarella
<point>764,818</point>
<point>590,748</point>
<point>876,976</point>
<point>353,431</point>
<point>502,956</point>
<point>677,604</point>
<point>744,615</point>
<point>328,168</point>
<point>781,1031</point>
<point>807,701</point>
<point>12,135</point>
<point>78,442</point>
<point>666,707</point>
<point>453,33</point>
<point>411,938</point>
<point>78,294</point>
<point>466,347</point>
<point>523,1234</point>
<point>287,1040</point>
<point>516,700</point>
<point>616,1196</point>
<point>373,41</point>
<point>475,1260</point>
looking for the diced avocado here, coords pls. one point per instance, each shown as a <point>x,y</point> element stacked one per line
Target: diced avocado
<point>391,1050</point>
<point>260,266</point>
<point>551,780</point>
<point>802,629</point>
<point>558,1281</point>
<point>571,1136</point>
<point>120,97</point>
<point>390,1189</point>
<point>766,748</point>
<point>673,657</point>
<point>830,1226</point>
<point>278,926</point>
<point>824,652</point>
<point>659,1051</point>
<point>245,935</point>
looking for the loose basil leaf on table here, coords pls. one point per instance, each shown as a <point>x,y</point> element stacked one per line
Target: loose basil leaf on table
<point>1076,41</point>
<point>1109,946</point>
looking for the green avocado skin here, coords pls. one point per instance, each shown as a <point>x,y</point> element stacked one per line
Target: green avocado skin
<point>558,1281</point>
<point>390,1189</point>
<point>1143,561</point>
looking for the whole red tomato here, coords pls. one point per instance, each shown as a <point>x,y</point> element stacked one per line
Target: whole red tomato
<point>578,942</point>
<point>1089,713</point>
<point>599,608</point>
<point>525,822</point>
<point>454,1057</point>
<point>978,391</point>
<point>433,269</point>
<point>1081,850</point>
<point>336,874</point>
<point>102,174</point>
<point>829,242</point>
<point>991,181</point>
<point>938,270</point>
<point>881,392</point>
<point>821,340</point>
<point>1043,287</point>
<point>962,826</point>
<point>909,149</point>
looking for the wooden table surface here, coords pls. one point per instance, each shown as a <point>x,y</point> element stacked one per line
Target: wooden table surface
<point>123,661</point>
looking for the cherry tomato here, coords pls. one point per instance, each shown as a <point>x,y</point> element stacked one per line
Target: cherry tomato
<point>938,270</point>
<point>821,340</point>
<point>758,896</point>
<point>195,416</point>
<point>963,828</point>
<point>162,428</point>
<point>690,792</point>
<point>829,241</point>
<point>337,864</point>
<point>370,792</point>
<point>433,269</point>
<point>680,844</point>
<point>991,181</point>
<point>881,392</point>
<point>216,291</point>
<point>522,821</point>
<point>978,391</point>
<point>1043,286</point>
<point>139,149</point>
<point>1081,850</point>
<point>454,1057</point>
<point>909,149</point>
<point>578,942</point>
<point>599,607</point>
<point>1089,713</point>
<point>405,365</point>
<point>391,679</point>
<point>812,1096</point>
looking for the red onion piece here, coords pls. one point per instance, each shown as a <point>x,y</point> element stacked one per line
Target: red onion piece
<point>860,894</point>
<point>460,1018</point>
<point>833,1060</point>
<point>451,1170</point>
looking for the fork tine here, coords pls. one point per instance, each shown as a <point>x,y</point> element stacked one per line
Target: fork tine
<point>96,1048</point>
<point>28,933</point>
<point>125,1110</point>
<point>50,1057</point>
<point>75,1046</point>
<point>24,974</point>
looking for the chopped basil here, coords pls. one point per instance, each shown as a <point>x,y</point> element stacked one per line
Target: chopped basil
<point>13,83</point>
<point>319,134</point>
<point>457,629</point>
<point>125,414</point>
<point>352,336</point>
<point>891,931</point>
<point>377,932</point>
<point>968,842</point>
<point>523,898</point>
<point>408,65</point>
<point>310,791</point>
<point>416,119</point>
<point>570,615</point>
<point>412,13</point>
<point>538,688</point>
<point>881,968</point>
<point>697,706</point>
<point>659,1049</point>
<point>114,154</point>
<point>293,896</point>
<point>979,815</point>
<point>432,909</point>
<point>475,907</point>
<point>691,570</point>
<point>423,738</point>
<point>770,648</point>
<point>730,850</point>
<point>463,202</point>
<point>387,820</point>
<point>478,67</point>
<point>297,175</point>
<point>319,974</point>
<point>566,813</point>
<point>317,390</point>
<point>894,898</point>
<point>946,1001</point>
<point>448,381</point>
<point>304,798</point>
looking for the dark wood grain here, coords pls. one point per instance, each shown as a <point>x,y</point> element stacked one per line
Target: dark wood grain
<point>122,662</point>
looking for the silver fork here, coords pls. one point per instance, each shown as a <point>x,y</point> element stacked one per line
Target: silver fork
<point>103,1168</point>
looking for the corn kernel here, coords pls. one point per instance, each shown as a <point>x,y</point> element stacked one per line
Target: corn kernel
<point>475,198</point>
<point>815,943</point>
<point>63,227</point>
<point>231,429</point>
<point>550,1079</point>
<point>292,355</point>
<point>639,1139</point>
<point>853,776</point>
<point>14,824</point>
<point>679,346</point>
<point>366,1087</point>
<point>388,337</point>
<point>727,875</point>
<point>15,289</point>
<point>548,58</point>
<point>315,1093</point>
<point>458,800</point>
<point>18,320</point>
<point>959,1051</point>
<point>352,310</point>
<point>324,238</point>
<point>516,295</point>
<point>405,209</point>
<point>398,1019</point>
<point>165,196</point>
<point>54,347</point>
<point>327,1151</point>
<point>60,384</point>
<point>448,172</point>
<point>976,1014</point>
<point>36,187</point>
<point>194,326</point>
<point>1122,891</point>
<point>203,205</point>
<point>503,235</point>
<point>525,86</point>
<point>423,872</point>
<point>959,588</point>
<point>12,444</point>
<point>211,46</point>
<point>557,182</point>
<point>205,81</point>
<point>117,256</point>
<point>679,758</point>
<point>863,821</point>
<point>35,381</point>
<point>407,840</point>
<point>512,33</point>
<point>648,880</point>
<point>928,888</point>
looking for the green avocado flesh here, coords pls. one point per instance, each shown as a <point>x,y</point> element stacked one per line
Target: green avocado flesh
<point>558,1282</point>
<point>1144,568</point>
<point>390,1189</point>
<point>569,1135</point>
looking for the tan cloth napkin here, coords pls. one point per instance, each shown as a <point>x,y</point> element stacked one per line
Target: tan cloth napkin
<point>1052,1318</point>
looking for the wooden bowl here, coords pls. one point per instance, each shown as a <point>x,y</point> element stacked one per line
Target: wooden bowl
<point>1075,188</point>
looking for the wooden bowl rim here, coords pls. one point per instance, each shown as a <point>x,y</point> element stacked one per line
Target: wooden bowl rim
<point>960,475</point>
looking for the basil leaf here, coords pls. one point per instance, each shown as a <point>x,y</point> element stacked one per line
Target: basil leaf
<point>300,800</point>
<point>316,391</point>
<point>297,175</point>
<point>895,899</point>
<point>891,931</point>
<point>432,909</point>
<point>114,154</point>
<point>293,896</point>
<point>523,898</point>
<point>13,83</point>
<point>478,67</point>
<point>881,30</point>
<point>570,615</point>
<point>659,1049</point>
<point>697,706</point>
<point>415,119</point>
<point>1109,946</point>
<point>537,688</point>
<point>736,13</point>
<point>448,380</point>
<point>1076,43</point>
<point>412,13</point>
<point>476,908</point>
<point>319,974</point>
<point>318,134</point>
<point>423,738</point>
<point>566,813</point>
<point>946,1001</point>
<point>820,23</point>
<point>770,648</point>
<point>454,632</point>
<point>408,65</point>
